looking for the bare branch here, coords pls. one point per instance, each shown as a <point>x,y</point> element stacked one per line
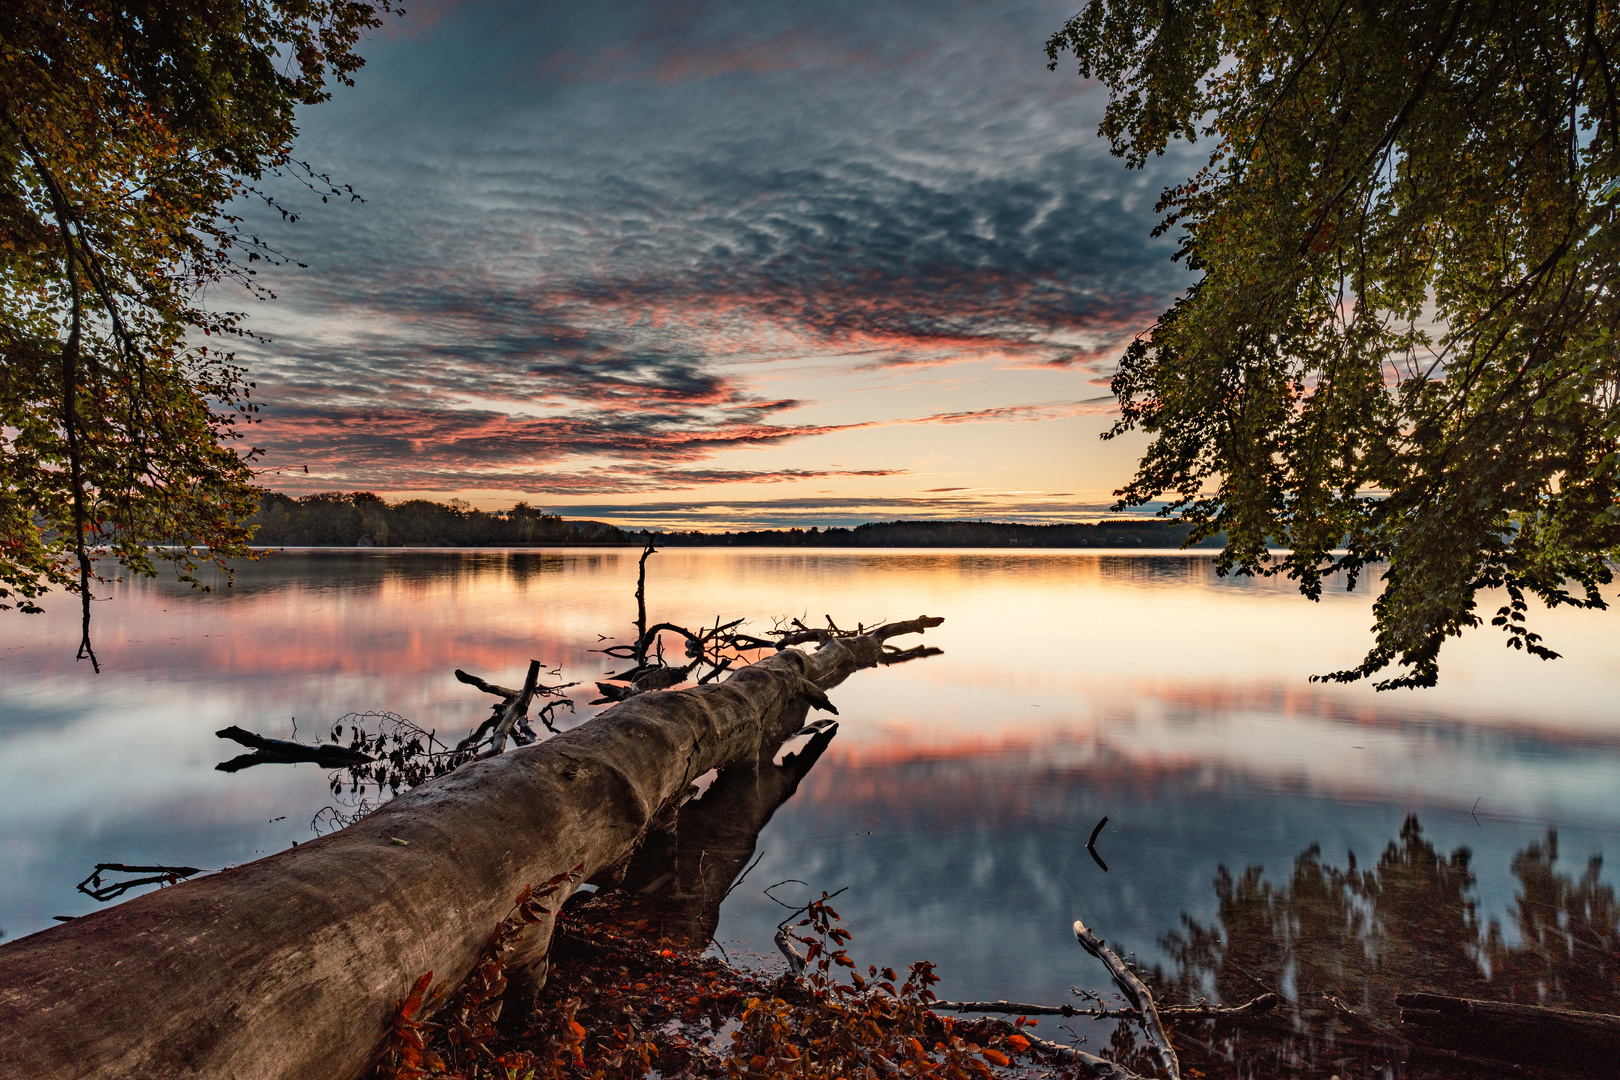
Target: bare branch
<point>1136,992</point>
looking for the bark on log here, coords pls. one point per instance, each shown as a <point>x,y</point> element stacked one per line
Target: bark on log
<point>1586,1043</point>
<point>292,966</point>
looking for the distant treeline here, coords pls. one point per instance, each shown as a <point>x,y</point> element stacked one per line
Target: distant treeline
<point>1124,533</point>
<point>333,519</point>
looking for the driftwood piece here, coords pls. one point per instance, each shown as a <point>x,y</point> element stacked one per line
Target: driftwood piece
<point>291,966</point>
<point>1257,1007</point>
<point>1582,1042</point>
<point>1136,993</point>
<point>283,752</point>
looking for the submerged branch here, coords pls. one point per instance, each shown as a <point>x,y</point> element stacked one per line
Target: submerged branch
<point>1257,1007</point>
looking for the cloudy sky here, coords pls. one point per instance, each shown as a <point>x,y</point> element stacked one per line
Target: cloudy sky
<point>714,264</point>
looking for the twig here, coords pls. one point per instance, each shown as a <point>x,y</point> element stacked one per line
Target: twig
<point>739,880</point>
<point>783,939</point>
<point>1136,993</point>
<point>1091,845</point>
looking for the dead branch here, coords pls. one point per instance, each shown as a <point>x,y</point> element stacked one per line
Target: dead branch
<point>160,875</point>
<point>1136,992</point>
<point>784,942</point>
<point>283,752</point>
<point>516,709</point>
<point>1091,845</point>
<point>908,626</point>
<point>641,604</point>
<point>519,727</point>
<point>486,687</point>
<point>1257,1007</point>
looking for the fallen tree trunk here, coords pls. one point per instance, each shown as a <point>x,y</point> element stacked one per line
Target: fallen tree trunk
<point>292,966</point>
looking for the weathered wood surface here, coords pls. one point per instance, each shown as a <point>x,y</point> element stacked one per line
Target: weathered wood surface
<point>291,966</point>
<point>1584,1042</point>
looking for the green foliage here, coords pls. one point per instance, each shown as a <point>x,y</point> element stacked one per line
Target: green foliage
<point>1401,345</point>
<point>127,133</point>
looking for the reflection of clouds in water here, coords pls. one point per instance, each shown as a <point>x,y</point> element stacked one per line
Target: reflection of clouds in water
<point>1169,699</point>
<point>991,896</point>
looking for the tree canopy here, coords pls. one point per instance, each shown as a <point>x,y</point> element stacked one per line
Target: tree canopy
<point>1400,346</point>
<point>129,130</point>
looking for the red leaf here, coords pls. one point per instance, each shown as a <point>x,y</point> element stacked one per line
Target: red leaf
<point>408,1007</point>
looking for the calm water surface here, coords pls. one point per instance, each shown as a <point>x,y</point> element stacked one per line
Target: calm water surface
<point>955,801</point>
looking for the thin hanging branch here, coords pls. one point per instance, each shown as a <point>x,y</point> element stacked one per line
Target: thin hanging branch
<point>70,408</point>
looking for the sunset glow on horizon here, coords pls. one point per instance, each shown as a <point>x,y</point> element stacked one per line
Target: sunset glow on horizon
<point>721,266</point>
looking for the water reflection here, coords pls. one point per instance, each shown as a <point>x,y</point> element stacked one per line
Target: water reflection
<point>955,801</point>
<point>1341,944</point>
<point>689,864</point>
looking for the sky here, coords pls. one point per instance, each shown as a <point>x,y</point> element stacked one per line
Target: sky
<point>713,265</point>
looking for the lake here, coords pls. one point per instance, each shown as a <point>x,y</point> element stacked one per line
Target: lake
<point>956,800</point>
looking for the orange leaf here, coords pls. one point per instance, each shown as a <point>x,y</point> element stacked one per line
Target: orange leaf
<point>996,1056</point>
<point>408,1007</point>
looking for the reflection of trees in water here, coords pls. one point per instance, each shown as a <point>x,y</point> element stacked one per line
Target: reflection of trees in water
<point>1330,938</point>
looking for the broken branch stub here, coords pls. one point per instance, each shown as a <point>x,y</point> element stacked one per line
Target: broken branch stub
<point>288,966</point>
<point>516,709</point>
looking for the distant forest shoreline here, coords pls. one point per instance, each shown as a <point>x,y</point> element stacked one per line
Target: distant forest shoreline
<point>361,519</point>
